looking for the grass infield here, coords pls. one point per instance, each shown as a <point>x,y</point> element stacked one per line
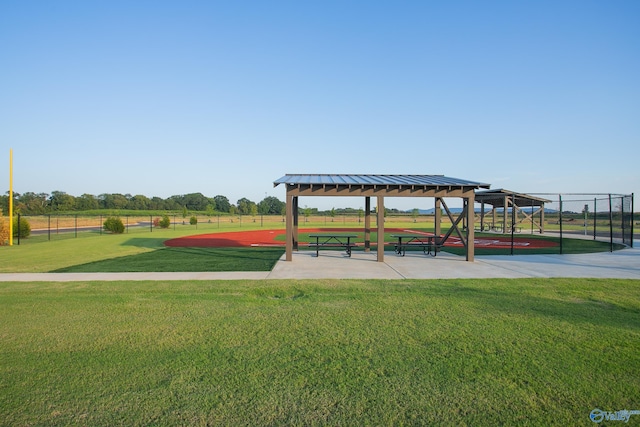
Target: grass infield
<point>330,352</point>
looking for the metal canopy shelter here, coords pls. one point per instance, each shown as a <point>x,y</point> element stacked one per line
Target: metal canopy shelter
<point>381,186</point>
<point>517,202</point>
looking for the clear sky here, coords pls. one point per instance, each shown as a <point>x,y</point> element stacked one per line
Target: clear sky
<point>224,97</point>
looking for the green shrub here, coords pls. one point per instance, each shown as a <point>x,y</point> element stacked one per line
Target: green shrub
<point>24,230</point>
<point>114,225</point>
<point>193,220</point>
<point>165,222</point>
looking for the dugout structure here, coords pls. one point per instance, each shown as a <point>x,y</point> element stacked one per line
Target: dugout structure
<point>516,208</point>
<point>381,186</point>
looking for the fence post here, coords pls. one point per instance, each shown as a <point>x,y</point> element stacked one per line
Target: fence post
<point>595,217</point>
<point>151,223</point>
<point>610,224</point>
<point>19,229</point>
<point>49,226</point>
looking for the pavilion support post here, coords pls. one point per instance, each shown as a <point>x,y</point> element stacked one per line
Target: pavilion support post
<point>295,223</point>
<point>437,222</point>
<point>505,216</point>
<point>289,226</point>
<point>367,224</point>
<point>482,216</point>
<point>380,212</point>
<point>542,218</point>
<point>470,227</point>
<point>494,218</point>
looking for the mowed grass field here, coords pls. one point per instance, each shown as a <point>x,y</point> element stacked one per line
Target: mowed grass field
<point>315,352</point>
<point>140,250</point>
<point>319,352</point>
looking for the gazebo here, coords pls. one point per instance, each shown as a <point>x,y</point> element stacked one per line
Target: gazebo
<point>381,186</point>
<point>518,203</point>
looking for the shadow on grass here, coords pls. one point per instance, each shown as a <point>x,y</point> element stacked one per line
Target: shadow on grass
<point>570,305</point>
<point>185,259</point>
<point>146,242</point>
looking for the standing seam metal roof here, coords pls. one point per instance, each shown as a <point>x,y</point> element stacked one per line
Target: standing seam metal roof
<point>349,179</point>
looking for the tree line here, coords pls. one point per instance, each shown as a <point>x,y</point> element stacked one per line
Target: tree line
<point>30,203</point>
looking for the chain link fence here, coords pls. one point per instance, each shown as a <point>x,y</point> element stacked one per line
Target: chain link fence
<point>604,218</point>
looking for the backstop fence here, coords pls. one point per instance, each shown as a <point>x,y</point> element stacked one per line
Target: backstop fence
<point>600,217</point>
<point>603,217</point>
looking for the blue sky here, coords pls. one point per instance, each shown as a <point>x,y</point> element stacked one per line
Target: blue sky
<point>164,97</point>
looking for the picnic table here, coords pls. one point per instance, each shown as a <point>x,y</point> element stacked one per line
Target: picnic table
<point>426,242</point>
<point>333,240</point>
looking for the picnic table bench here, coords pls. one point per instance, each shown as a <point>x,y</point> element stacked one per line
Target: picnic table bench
<point>428,243</point>
<point>332,240</point>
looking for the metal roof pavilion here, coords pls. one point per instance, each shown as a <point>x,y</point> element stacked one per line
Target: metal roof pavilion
<point>498,198</point>
<point>381,186</point>
<point>517,203</point>
<point>375,180</point>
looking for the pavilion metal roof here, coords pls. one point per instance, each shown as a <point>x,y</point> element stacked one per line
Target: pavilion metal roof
<point>496,198</point>
<point>377,180</point>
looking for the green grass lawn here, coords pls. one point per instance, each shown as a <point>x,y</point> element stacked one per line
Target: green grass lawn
<point>185,259</point>
<point>332,352</point>
<point>141,251</point>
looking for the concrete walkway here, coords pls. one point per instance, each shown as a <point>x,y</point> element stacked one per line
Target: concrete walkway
<point>623,264</point>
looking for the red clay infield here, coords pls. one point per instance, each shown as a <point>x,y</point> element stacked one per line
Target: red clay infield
<point>268,238</point>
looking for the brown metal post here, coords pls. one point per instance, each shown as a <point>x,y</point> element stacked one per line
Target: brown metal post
<point>470,227</point>
<point>380,212</point>
<point>289,226</point>
<point>437,226</point>
<point>295,223</point>
<point>367,224</point>
<point>505,215</point>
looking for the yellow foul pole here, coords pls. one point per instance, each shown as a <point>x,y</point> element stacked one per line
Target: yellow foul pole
<point>10,197</point>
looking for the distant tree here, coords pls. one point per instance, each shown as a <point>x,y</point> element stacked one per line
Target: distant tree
<point>414,214</point>
<point>332,214</point>
<point>87,202</point>
<point>193,201</point>
<point>244,206</point>
<point>271,206</point>
<point>138,202</point>
<point>113,201</point>
<point>222,203</point>
<point>157,203</point>
<point>193,220</point>
<point>62,202</point>
<point>4,203</point>
<point>31,203</point>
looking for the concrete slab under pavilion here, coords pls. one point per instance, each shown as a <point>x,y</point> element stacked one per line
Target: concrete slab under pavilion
<point>380,186</point>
